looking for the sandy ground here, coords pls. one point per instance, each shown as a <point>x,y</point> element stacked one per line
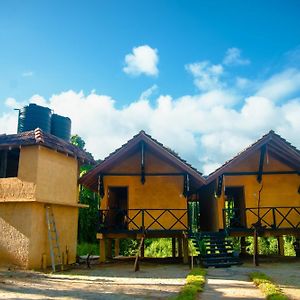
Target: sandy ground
<point>286,275</point>
<point>234,282</point>
<point>153,281</point>
<point>110,281</point>
<point>229,283</point>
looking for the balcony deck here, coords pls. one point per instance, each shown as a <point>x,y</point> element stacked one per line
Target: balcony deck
<point>152,222</point>
<point>275,221</point>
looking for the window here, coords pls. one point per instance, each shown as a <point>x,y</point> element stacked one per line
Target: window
<point>9,163</point>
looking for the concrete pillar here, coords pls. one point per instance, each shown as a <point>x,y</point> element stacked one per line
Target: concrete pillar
<point>280,242</point>
<point>185,251</point>
<point>102,257</point>
<point>117,247</point>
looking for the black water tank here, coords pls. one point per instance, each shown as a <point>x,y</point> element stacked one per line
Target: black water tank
<point>34,116</point>
<point>61,127</point>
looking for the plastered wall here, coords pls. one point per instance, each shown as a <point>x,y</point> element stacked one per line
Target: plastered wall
<point>158,192</point>
<point>277,190</point>
<point>44,176</point>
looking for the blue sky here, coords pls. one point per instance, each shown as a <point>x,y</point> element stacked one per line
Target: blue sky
<point>213,56</point>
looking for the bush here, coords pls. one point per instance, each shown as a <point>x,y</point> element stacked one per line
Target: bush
<point>159,248</point>
<point>269,245</point>
<point>194,284</point>
<point>87,248</point>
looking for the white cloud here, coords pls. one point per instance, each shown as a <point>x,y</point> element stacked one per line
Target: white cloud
<point>281,86</point>
<point>206,129</point>
<point>206,75</point>
<point>233,57</point>
<point>142,60</point>
<point>149,92</point>
<point>28,74</point>
<point>204,135</point>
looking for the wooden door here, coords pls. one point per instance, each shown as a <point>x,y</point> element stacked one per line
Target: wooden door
<point>235,204</point>
<point>117,207</point>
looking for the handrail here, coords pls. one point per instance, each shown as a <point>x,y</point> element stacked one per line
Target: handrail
<point>141,219</point>
<point>269,216</point>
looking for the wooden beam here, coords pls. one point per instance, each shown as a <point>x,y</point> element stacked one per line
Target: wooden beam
<point>143,177</point>
<point>109,248</point>
<point>146,174</point>
<point>280,243</point>
<point>117,247</point>
<point>185,250</point>
<point>3,163</point>
<point>220,185</point>
<point>255,248</point>
<point>101,190</point>
<point>102,257</point>
<point>261,163</point>
<point>263,173</point>
<point>136,262</point>
<point>179,240</point>
<point>173,247</point>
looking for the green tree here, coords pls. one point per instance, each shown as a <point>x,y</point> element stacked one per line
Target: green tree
<point>88,217</point>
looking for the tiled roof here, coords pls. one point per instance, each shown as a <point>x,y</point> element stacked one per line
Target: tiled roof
<point>271,135</point>
<point>142,135</point>
<point>38,137</point>
<point>171,152</point>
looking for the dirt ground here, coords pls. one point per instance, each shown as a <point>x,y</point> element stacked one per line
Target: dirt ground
<point>153,281</point>
<point>109,281</point>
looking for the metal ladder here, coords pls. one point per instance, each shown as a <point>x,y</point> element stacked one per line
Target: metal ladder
<point>53,238</point>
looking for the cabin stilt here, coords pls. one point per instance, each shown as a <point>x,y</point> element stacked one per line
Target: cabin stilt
<point>280,242</point>
<point>173,247</point>
<point>117,247</point>
<point>102,257</point>
<point>109,248</point>
<point>179,241</point>
<point>185,250</point>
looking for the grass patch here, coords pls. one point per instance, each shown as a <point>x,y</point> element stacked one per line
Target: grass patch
<point>270,289</point>
<point>194,284</point>
<point>87,248</point>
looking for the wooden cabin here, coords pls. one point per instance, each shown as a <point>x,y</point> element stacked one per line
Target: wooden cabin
<point>146,189</point>
<point>260,186</point>
<point>37,170</point>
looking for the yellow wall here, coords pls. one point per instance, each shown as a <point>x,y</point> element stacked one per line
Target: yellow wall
<point>47,176</point>
<point>158,192</point>
<point>66,225</point>
<point>51,175</point>
<point>278,190</point>
<point>15,226</point>
<point>24,236</point>
<point>56,177</point>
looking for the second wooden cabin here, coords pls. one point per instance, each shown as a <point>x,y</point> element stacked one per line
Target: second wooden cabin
<point>259,186</point>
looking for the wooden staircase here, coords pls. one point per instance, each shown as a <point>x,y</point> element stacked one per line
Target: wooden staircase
<point>216,249</point>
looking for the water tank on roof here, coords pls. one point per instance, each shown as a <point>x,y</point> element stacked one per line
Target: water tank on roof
<point>61,127</point>
<point>33,116</point>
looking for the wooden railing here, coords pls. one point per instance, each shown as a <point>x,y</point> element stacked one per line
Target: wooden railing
<point>282,217</point>
<point>142,219</point>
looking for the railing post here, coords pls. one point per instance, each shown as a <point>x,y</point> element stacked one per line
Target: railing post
<point>274,217</point>
<point>143,219</point>
<point>224,219</point>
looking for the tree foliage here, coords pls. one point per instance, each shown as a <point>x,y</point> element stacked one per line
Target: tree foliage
<point>88,217</point>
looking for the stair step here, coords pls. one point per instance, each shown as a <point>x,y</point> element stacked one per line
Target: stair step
<point>222,249</point>
<point>216,255</point>
<point>221,264</point>
<point>221,258</point>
